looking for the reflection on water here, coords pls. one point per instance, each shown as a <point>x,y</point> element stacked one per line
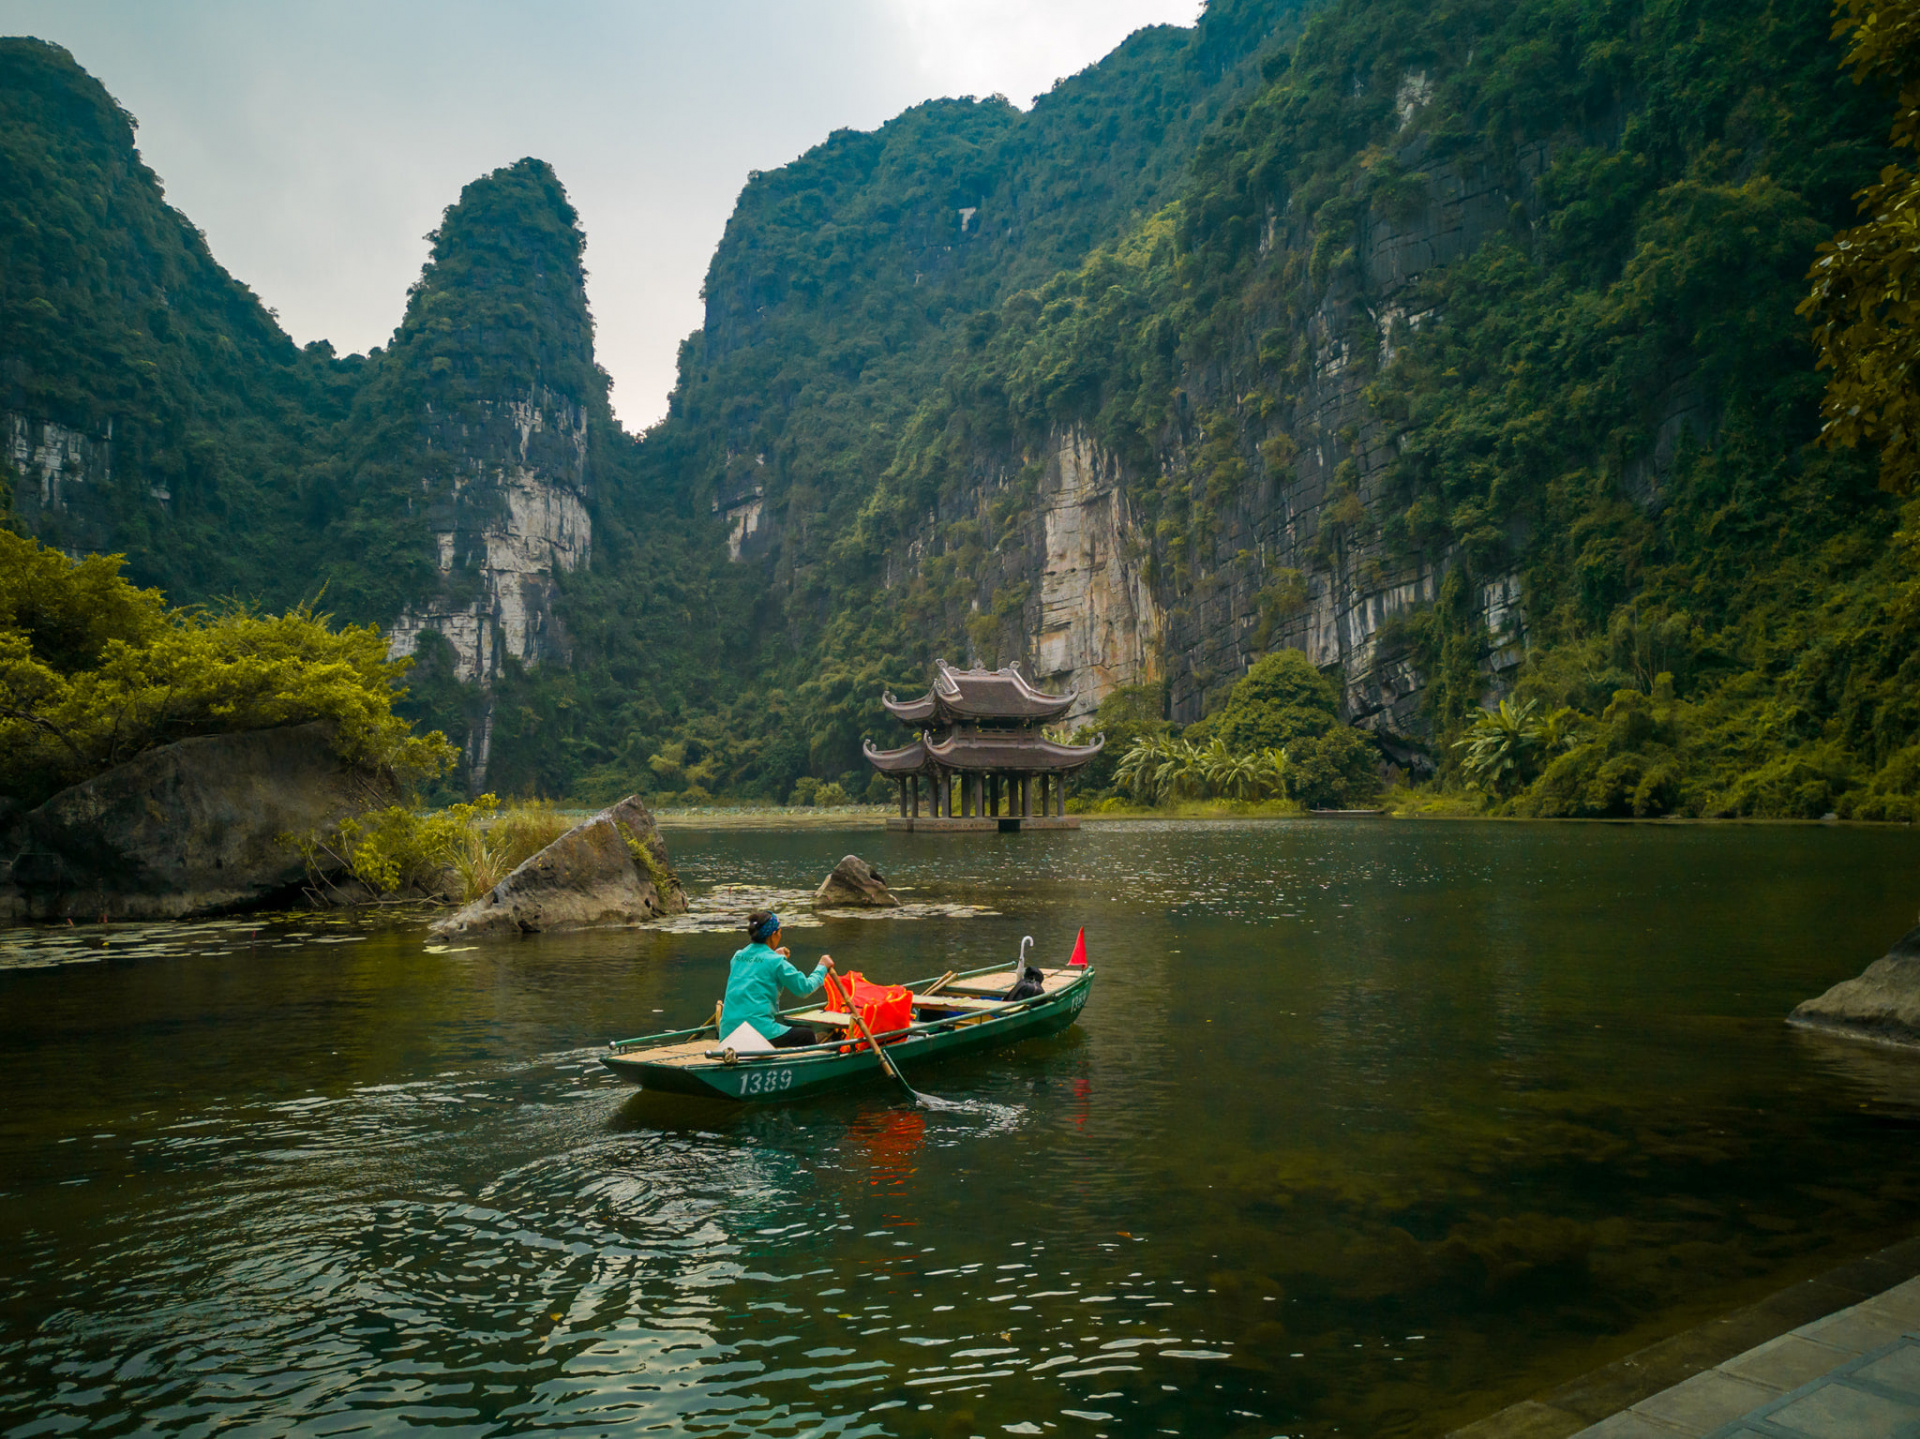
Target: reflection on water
<point>1368,1129</point>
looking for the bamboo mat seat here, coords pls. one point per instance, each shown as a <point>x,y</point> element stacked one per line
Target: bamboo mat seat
<point>1001,982</point>
<point>686,1052</point>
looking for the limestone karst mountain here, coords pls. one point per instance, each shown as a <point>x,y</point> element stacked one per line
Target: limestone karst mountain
<point>483,423</point>
<point>1455,349</point>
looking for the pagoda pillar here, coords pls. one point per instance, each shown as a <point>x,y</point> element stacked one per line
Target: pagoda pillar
<point>914,780</point>
<point>903,796</point>
<point>1060,797</point>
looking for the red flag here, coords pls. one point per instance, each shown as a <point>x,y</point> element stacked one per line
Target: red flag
<point>1079,950</point>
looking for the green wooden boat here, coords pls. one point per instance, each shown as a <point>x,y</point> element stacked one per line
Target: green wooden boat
<point>952,1015</point>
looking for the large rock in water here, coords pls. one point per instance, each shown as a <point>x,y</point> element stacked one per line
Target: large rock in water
<point>1882,1002</point>
<point>195,827</point>
<point>854,884</point>
<point>613,869</point>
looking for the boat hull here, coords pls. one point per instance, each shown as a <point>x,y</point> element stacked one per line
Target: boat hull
<point>795,1074</point>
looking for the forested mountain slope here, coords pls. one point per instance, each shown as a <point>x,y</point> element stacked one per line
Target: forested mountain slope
<point>1455,348</point>
<point>1465,359</point>
<point>149,402</point>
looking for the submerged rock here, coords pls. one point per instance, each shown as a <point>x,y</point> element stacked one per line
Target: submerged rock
<point>195,827</point>
<point>613,869</point>
<point>854,884</point>
<point>1882,1002</point>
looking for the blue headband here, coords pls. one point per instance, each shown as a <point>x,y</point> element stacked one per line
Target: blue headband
<point>772,926</point>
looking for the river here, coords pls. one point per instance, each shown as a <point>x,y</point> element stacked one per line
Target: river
<point>1368,1128</point>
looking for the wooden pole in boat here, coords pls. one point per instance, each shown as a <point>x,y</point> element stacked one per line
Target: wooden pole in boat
<point>860,1024</point>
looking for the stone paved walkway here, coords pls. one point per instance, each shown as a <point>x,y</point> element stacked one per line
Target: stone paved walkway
<point>1851,1375</point>
<point>1706,1381</point>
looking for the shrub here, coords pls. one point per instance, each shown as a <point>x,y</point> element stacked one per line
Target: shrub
<point>466,847</point>
<point>1129,713</point>
<point>1336,770</point>
<point>398,850</point>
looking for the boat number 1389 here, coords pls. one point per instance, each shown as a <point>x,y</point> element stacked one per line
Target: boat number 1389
<point>765,1081</point>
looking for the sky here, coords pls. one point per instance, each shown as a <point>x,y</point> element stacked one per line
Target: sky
<point>317,144</point>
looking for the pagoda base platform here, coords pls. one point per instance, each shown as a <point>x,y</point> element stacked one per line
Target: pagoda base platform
<point>983,824</point>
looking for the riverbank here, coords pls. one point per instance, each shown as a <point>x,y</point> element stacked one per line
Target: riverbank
<point>1760,1356</point>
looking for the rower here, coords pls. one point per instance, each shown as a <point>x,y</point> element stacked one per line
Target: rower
<point>755,978</point>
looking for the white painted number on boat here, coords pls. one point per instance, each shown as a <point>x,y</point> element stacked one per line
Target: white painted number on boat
<point>765,1081</point>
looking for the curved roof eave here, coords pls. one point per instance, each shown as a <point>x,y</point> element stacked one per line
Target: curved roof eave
<point>908,759</point>
<point>1015,753</point>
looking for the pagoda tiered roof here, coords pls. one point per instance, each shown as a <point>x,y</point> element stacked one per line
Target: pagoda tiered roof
<point>974,697</point>
<point>1008,751</point>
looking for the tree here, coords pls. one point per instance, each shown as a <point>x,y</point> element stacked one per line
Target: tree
<point>1865,301</point>
<point>1280,699</point>
<point>1499,743</point>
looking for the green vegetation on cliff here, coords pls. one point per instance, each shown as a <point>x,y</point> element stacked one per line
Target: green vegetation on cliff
<point>1609,397</point>
<point>1492,297</point>
<point>118,325</point>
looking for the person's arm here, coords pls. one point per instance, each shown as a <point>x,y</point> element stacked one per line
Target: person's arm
<point>798,983</point>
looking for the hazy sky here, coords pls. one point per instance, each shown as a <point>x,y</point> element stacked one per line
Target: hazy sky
<point>317,143</point>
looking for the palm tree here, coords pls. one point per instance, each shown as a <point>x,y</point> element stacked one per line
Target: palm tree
<point>1498,743</point>
<point>1272,770</point>
<point>1138,765</point>
<point>1182,771</point>
<point>1236,776</point>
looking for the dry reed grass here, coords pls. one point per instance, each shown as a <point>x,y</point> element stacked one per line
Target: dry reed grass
<point>491,848</point>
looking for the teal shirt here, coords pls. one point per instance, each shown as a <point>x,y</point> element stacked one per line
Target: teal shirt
<point>754,982</point>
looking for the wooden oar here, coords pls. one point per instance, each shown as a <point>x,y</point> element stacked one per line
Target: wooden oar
<point>860,1024</point>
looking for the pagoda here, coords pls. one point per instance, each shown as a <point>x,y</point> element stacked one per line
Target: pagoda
<point>978,751</point>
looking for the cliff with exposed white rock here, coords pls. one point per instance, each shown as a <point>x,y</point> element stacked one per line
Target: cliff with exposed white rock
<point>494,412</point>
<point>512,517</point>
<point>1296,556</point>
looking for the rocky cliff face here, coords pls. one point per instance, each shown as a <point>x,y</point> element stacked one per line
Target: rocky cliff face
<point>196,827</point>
<point>491,412</point>
<point>55,466</point>
<point>1290,560</point>
<point>512,517</point>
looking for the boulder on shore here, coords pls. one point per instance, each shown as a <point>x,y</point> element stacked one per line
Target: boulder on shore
<point>1882,1002</point>
<point>613,869</point>
<point>854,884</point>
<point>195,827</point>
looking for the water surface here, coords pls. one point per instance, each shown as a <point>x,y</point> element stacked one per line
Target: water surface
<point>1368,1129</point>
